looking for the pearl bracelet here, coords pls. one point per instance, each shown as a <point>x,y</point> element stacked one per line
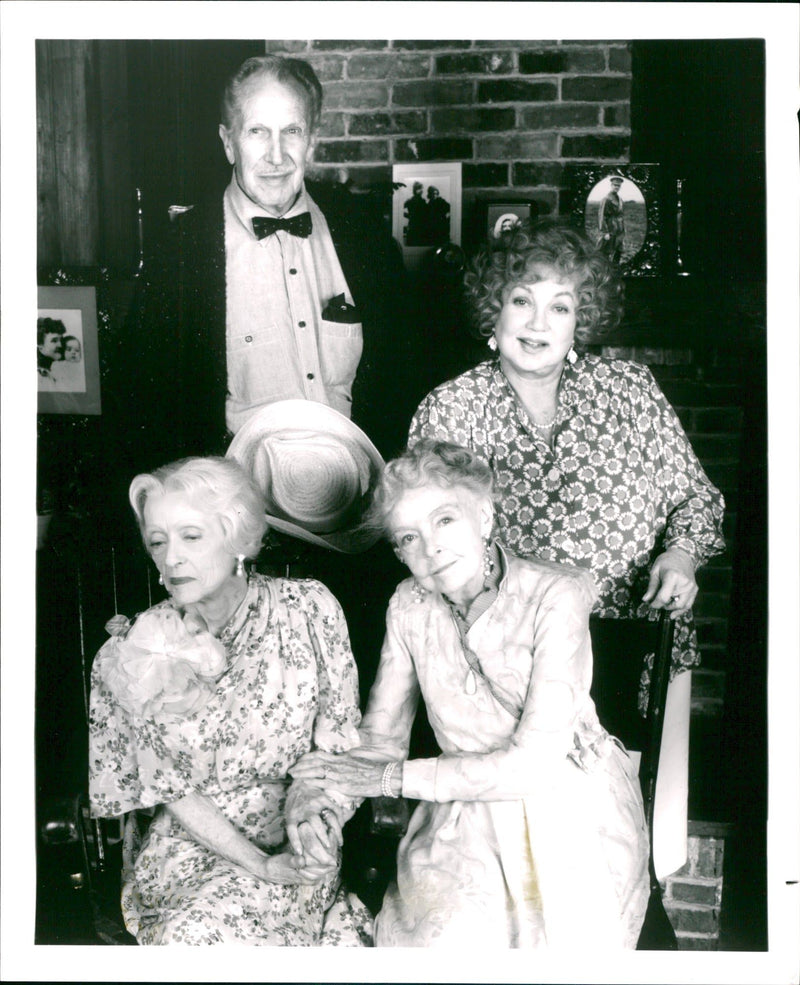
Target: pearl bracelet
<point>386,788</point>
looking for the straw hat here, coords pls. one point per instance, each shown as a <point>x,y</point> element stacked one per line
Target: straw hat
<point>316,470</point>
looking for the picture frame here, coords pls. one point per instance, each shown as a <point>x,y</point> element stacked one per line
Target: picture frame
<point>618,206</point>
<point>70,382</point>
<point>503,216</point>
<point>426,208</point>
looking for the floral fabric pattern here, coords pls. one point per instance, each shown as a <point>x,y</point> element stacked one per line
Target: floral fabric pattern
<point>620,485</point>
<point>289,684</point>
<point>530,832</point>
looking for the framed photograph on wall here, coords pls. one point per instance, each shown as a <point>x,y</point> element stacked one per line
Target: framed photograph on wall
<point>67,355</point>
<point>503,217</point>
<point>619,206</point>
<point>426,208</point>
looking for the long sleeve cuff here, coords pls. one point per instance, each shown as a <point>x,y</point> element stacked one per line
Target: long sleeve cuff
<point>419,778</point>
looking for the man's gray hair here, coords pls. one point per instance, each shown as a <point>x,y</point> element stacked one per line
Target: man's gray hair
<point>292,72</point>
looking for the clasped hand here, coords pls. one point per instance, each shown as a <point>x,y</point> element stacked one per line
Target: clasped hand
<point>351,775</point>
<point>314,830</point>
<point>672,583</point>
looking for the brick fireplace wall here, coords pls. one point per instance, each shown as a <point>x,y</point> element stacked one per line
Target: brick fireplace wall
<point>513,112</point>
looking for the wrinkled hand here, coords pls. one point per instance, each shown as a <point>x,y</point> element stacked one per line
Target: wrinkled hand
<point>288,869</point>
<point>349,774</point>
<point>672,583</point>
<point>313,825</point>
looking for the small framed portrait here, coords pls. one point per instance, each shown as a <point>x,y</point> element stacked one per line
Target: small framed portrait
<point>67,356</point>
<point>619,207</point>
<point>503,217</point>
<point>426,208</point>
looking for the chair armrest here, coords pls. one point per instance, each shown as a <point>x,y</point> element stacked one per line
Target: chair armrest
<point>389,816</point>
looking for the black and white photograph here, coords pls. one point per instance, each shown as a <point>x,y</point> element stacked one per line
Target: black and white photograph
<point>399,573</point>
<point>503,217</point>
<point>426,207</point>
<point>621,212</point>
<point>67,350</point>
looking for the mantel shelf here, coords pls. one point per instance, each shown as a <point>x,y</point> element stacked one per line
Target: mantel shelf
<point>693,311</point>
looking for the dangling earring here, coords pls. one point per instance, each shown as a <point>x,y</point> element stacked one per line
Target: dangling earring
<point>488,559</point>
<point>240,566</point>
<point>160,578</point>
<point>418,592</point>
<point>572,356</point>
<point>492,343</point>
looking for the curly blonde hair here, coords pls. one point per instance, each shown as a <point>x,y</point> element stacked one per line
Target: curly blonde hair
<point>569,254</point>
<point>430,461</point>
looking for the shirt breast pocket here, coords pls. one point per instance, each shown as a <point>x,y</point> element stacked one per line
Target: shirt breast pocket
<point>340,348</point>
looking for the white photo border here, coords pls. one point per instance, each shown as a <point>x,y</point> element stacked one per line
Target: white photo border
<point>404,175</point>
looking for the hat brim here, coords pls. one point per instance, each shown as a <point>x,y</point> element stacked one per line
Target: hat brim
<point>353,541</point>
<point>313,416</point>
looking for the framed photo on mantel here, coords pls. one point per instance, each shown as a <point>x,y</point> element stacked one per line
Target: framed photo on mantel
<point>426,208</point>
<point>619,206</point>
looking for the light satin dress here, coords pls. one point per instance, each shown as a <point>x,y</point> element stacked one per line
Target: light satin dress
<point>530,832</point>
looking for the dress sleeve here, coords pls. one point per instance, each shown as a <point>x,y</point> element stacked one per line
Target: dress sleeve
<point>386,727</point>
<point>441,415</point>
<point>545,734</point>
<point>693,506</point>
<point>130,766</point>
<point>338,714</point>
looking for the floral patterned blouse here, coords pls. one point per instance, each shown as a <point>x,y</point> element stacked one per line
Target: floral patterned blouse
<point>620,485</point>
<point>224,717</point>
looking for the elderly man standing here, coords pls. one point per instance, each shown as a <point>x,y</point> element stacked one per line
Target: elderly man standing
<point>269,292</point>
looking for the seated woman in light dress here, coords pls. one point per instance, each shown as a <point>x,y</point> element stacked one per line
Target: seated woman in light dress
<point>530,832</point>
<point>199,708</point>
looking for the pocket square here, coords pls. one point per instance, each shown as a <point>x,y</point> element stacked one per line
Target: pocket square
<point>341,311</point>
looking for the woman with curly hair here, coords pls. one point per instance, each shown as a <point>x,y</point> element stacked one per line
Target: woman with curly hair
<point>591,463</point>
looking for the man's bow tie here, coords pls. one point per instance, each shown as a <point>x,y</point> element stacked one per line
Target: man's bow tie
<point>299,225</point>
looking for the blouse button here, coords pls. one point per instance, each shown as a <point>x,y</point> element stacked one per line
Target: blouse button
<point>310,376</point>
<point>248,338</point>
<point>292,270</point>
<point>302,324</point>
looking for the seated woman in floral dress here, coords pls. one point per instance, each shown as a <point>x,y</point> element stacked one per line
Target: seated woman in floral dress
<point>530,832</point>
<point>199,708</point>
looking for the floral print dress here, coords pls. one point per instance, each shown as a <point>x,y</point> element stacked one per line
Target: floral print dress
<point>163,726</point>
<point>530,831</point>
<point>620,484</point>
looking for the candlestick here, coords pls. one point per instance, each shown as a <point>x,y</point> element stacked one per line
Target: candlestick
<point>681,271</point>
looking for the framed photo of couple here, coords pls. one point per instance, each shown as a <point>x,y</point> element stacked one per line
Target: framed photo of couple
<point>426,208</point>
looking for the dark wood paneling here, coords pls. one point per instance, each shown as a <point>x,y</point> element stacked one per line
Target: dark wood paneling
<point>48,239</point>
<point>118,227</point>
<point>74,107</point>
